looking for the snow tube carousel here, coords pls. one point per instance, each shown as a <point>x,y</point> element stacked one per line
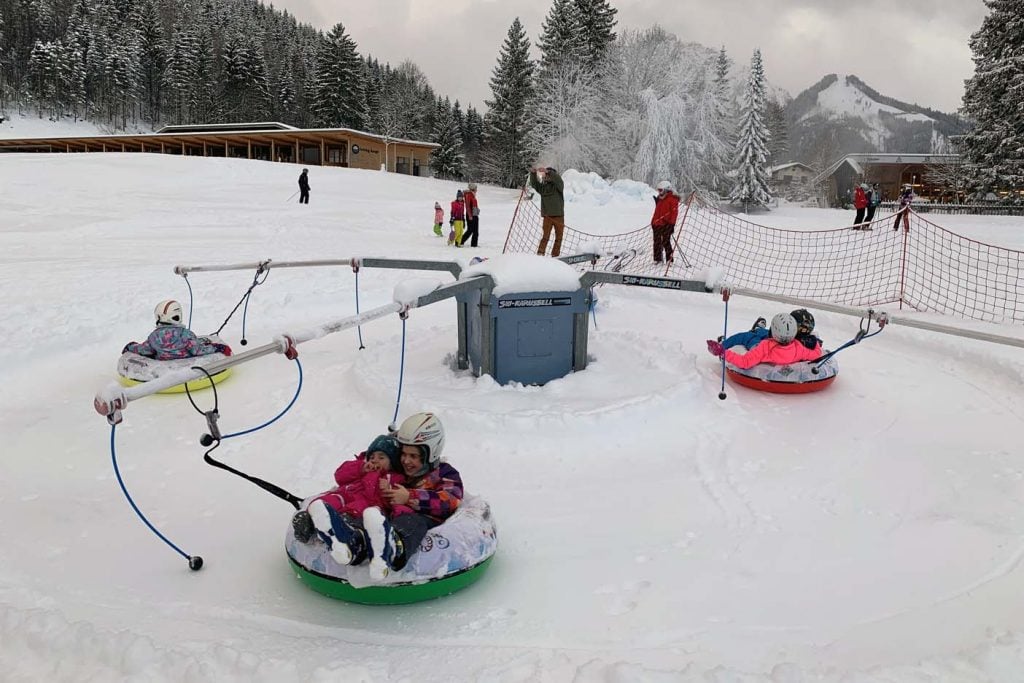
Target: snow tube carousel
<point>796,378</point>
<point>134,369</point>
<point>451,556</point>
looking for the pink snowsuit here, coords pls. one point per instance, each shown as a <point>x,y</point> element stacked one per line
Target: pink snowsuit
<point>438,216</point>
<point>771,351</point>
<point>358,490</point>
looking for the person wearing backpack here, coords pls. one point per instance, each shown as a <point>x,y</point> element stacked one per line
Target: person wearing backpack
<point>874,200</point>
<point>549,185</point>
<point>472,216</point>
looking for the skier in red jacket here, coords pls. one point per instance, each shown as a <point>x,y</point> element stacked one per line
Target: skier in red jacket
<point>663,222</point>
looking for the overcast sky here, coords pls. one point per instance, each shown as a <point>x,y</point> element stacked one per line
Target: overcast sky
<point>912,50</point>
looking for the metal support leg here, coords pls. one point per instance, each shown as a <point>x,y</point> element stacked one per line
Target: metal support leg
<point>487,323</point>
<point>462,356</point>
<point>580,324</point>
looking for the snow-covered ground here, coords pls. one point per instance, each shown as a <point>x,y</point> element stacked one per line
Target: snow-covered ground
<point>31,125</point>
<point>648,531</point>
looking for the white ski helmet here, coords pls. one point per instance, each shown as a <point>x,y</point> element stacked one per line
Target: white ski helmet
<point>169,313</point>
<point>783,328</point>
<point>423,429</point>
<point>666,186</point>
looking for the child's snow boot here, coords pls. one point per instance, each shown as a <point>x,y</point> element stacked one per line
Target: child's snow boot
<point>345,542</point>
<point>302,525</point>
<point>386,544</point>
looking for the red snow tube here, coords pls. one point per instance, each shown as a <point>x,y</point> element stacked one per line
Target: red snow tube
<point>795,378</point>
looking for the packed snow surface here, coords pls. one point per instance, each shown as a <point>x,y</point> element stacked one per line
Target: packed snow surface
<point>648,531</point>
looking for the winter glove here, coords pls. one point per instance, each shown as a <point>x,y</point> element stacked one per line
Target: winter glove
<point>715,348</point>
<point>223,348</point>
<point>451,221</point>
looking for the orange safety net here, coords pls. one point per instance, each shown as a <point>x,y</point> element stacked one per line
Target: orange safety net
<point>635,249</point>
<point>920,265</point>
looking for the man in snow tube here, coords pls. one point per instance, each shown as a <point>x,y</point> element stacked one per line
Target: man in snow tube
<point>778,349</point>
<point>433,491</point>
<point>171,339</point>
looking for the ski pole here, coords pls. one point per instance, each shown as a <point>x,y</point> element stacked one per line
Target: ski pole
<point>290,198</point>
<point>725,333</point>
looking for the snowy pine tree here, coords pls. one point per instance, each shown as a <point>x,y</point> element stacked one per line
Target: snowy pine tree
<point>152,56</point>
<point>560,37</point>
<point>994,148</point>
<point>472,142</point>
<point>507,123</point>
<point>339,88</point>
<point>752,144</point>
<point>778,131</point>
<point>181,74</point>
<point>446,161</point>
<point>597,31</point>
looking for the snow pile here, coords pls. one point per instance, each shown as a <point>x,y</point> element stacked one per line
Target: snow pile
<point>590,188</point>
<point>408,291</point>
<point>518,273</point>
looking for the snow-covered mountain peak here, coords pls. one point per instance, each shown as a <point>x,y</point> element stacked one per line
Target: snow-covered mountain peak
<point>845,99</point>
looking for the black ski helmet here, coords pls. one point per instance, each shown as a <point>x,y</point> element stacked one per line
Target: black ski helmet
<point>804,320</point>
<point>388,445</point>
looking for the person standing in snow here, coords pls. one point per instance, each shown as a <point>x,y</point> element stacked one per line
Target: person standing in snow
<point>472,216</point>
<point>432,491</point>
<point>663,222</point>
<point>860,202</point>
<point>304,186</point>
<point>874,199</point>
<point>457,218</point>
<point>438,218</point>
<point>906,198</point>
<point>549,185</point>
<point>171,339</point>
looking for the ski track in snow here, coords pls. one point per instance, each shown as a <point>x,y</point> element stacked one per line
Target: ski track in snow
<point>649,531</point>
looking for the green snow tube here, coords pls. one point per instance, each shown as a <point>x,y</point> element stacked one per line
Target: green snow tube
<point>450,557</point>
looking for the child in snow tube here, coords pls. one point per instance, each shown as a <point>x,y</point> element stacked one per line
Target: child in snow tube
<point>431,494</point>
<point>171,340</point>
<point>759,332</point>
<point>778,349</point>
<point>361,481</point>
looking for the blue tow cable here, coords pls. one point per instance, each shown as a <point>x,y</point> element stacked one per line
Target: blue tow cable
<point>359,328</point>
<point>190,301</point>
<point>195,562</point>
<point>401,375</point>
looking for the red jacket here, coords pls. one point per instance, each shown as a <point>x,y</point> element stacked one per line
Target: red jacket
<point>470,198</point>
<point>458,210</point>
<point>771,351</point>
<point>359,489</point>
<point>666,210</point>
<point>860,199</point>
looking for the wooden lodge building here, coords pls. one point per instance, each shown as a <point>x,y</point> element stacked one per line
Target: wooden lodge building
<point>262,141</point>
<point>890,171</point>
